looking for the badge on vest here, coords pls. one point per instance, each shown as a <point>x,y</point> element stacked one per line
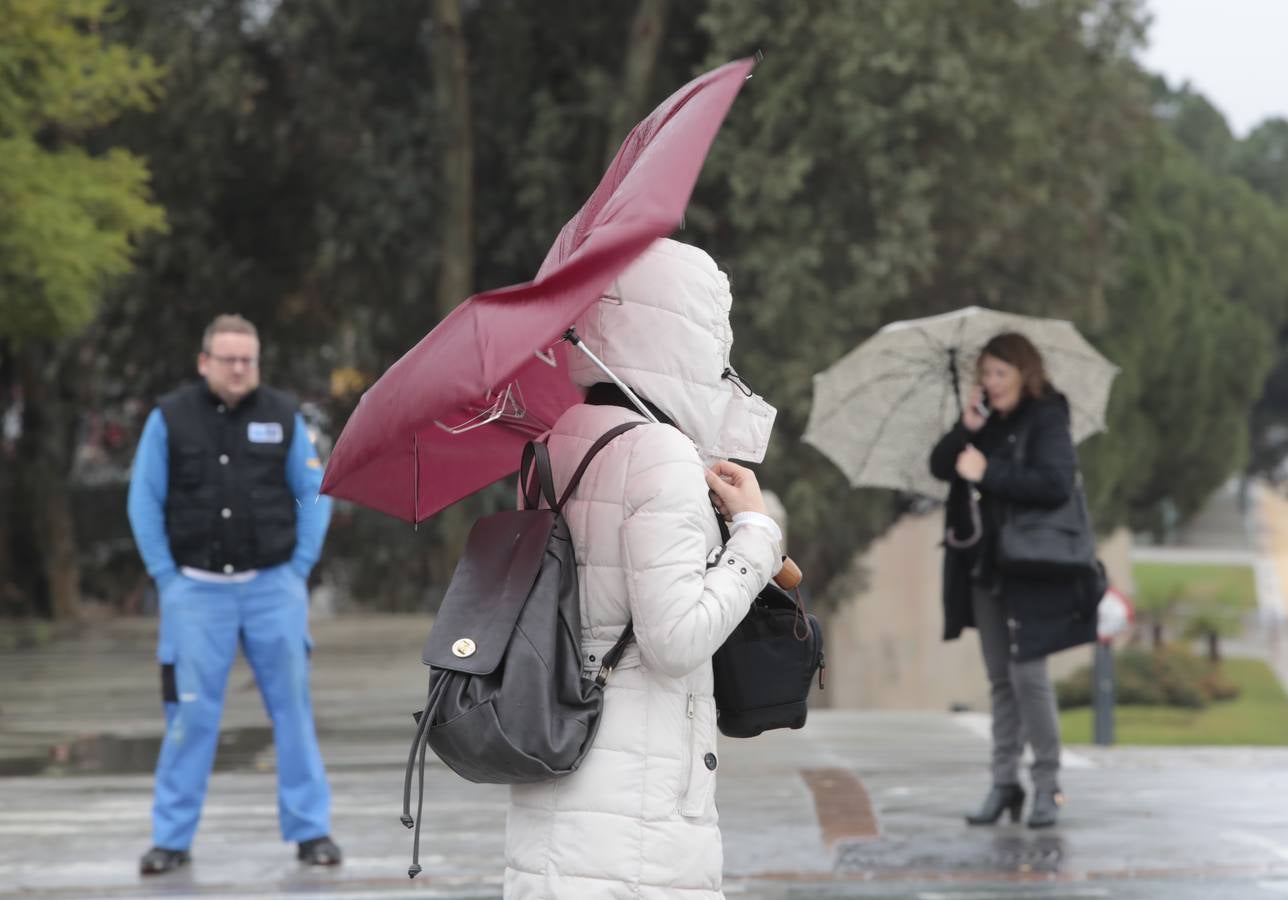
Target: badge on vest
<point>264,432</point>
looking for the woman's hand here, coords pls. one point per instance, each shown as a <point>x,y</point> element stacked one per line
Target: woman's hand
<point>971,464</point>
<point>734,489</point>
<point>971,419</point>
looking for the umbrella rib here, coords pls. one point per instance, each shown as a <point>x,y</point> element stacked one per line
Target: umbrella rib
<point>876,439</point>
<point>904,356</point>
<point>930,339</point>
<point>878,380</point>
<point>1099,421</point>
<point>1076,355</point>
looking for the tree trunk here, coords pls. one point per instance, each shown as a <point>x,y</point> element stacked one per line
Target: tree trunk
<point>637,73</point>
<point>450,61</point>
<point>1214,648</point>
<point>43,473</point>
<point>1156,632</point>
<point>13,600</point>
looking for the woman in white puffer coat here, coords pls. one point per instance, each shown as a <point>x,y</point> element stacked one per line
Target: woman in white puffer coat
<point>638,818</point>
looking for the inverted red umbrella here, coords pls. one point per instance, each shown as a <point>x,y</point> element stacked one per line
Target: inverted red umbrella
<point>452,415</point>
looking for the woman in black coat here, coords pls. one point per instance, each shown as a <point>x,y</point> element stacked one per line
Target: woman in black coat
<point>1020,620</point>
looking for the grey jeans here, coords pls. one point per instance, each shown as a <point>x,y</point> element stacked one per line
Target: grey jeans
<point>1023,700</point>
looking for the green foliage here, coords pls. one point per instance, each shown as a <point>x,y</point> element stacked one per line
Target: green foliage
<point>68,214</point>
<point>1204,600</point>
<point>1160,583</point>
<point>1192,321</point>
<point>1171,676</point>
<point>887,162</point>
<point>1257,717</point>
<point>1261,159</point>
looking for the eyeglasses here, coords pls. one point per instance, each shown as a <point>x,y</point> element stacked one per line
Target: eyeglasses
<point>250,362</point>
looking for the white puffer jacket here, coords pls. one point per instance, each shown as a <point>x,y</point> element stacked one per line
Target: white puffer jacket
<point>638,819</point>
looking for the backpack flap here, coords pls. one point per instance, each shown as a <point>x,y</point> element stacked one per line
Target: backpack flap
<point>496,571</point>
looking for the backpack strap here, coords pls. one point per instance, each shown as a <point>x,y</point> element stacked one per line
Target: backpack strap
<point>543,485</point>
<point>585,461</point>
<point>613,656</point>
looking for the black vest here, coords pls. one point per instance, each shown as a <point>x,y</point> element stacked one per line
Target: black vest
<point>228,505</point>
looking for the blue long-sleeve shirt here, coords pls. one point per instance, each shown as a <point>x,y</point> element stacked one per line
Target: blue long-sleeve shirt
<point>149,483</point>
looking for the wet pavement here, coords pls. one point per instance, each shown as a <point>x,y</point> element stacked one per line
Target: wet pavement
<point>857,804</point>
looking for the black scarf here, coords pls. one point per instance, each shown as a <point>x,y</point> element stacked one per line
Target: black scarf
<point>608,394</point>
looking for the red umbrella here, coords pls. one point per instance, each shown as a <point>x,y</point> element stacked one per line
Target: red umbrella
<point>453,414</point>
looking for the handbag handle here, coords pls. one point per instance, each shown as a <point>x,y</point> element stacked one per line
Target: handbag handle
<point>789,576</point>
<point>976,523</point>
<point>792,580</point>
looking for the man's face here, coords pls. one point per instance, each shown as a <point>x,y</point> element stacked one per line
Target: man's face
<point>231,367</point>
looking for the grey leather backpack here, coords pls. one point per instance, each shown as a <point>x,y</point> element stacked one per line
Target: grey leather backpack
<point>508,702</point>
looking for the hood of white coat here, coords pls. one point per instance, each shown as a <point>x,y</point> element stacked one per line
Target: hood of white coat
<point>663,329</point>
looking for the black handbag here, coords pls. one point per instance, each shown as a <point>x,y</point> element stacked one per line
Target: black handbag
<point>765,668</point>
<point>1046,541</point>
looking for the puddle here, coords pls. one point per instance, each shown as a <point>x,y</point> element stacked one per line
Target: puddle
<point>110,754</point>
<point>1004,853</point>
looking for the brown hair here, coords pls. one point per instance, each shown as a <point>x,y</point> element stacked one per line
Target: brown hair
<point>225,324</point>
<point>1015,349</point>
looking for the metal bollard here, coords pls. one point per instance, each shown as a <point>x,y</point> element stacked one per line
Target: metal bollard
<point>1113,616</point>
<point>1102,694</point>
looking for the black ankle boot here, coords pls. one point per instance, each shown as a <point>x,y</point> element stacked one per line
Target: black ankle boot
<point>1001,797</point>
<point>159,860</point>
<point>1046,808</point>
<point>320,852</point>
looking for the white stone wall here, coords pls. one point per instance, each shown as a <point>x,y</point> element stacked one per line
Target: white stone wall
<point>883,645</point>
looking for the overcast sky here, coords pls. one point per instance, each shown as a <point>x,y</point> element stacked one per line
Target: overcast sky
<point>1234,52</point>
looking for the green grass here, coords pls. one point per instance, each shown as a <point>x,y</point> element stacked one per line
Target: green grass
<point>1259,716</point>
<point>1234,584</point>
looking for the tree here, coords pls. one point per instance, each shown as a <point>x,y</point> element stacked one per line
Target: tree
<point>452,95</point>
<point>1210,614</point>
<point>317,162</point>
<point>1193,320</point>
<point>1159,608</point>
<point>1192,352</point>
<point>345,171</point>
<point>647,30</point>
<point>888,161</point>
<point>71,210</point>
<point>1261,159</point>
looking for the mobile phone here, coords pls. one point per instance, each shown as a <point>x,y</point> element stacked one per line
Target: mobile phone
<point>981,407</point>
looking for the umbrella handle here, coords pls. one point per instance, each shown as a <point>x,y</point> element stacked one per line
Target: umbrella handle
<point>789,576</point>
<point>976,524</point>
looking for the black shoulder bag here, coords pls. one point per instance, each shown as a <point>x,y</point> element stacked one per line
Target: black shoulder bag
<point>764,669</point>
<point>1046,541</point>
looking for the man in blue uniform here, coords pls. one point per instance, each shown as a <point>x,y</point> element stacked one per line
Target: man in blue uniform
<point>226,513</point>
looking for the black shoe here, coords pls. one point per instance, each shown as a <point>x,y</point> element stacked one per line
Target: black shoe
<point>1001,798</point>
<point>1046,808</point>
<point>159,860</point>
<point>319,852</point>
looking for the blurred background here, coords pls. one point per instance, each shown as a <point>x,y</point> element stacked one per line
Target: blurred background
<point>345,172</point>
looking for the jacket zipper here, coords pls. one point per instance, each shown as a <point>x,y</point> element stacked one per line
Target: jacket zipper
<point>689,711</point>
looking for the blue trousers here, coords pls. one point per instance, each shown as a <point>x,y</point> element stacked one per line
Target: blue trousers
<point>202,625</point>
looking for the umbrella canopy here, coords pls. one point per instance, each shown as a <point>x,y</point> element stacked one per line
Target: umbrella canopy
<point>452,415</point>
<point>879,410</point>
